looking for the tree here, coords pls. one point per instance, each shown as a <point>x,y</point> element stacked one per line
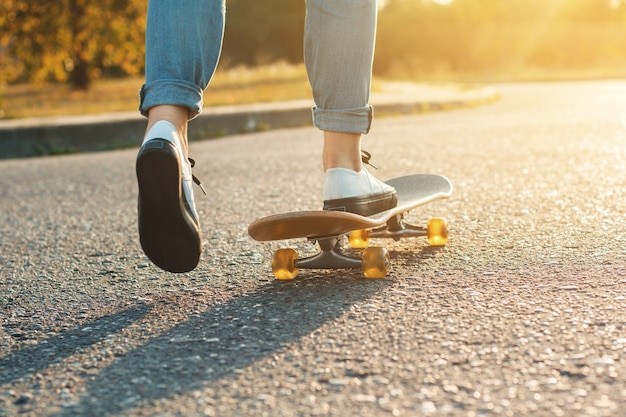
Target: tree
<point>71,40</point>
<point>77,41</point>
<point>80,40</point>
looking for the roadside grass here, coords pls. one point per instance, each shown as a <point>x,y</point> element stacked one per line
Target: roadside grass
<point>240,85</point>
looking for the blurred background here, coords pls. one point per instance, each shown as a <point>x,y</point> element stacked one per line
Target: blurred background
<point>81,45</point>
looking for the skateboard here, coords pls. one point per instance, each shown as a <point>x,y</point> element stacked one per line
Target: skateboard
<point>328,229</point>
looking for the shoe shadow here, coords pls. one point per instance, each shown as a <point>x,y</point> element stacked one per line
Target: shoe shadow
<point>53,350</point>
<point>215,344</point>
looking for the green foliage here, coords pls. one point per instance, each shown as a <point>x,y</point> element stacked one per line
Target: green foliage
<point>70,40</point>
<point>78,41</point>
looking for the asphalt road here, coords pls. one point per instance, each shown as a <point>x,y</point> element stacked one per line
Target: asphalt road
<point>522,313</point>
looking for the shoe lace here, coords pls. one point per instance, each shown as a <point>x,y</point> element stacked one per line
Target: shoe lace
<point>365,157</point>
<point>195,179</point>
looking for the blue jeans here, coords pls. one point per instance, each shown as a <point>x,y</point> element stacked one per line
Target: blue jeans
<point>184,41</point>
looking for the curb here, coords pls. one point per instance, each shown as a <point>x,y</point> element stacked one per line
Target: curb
<point>59,135</point>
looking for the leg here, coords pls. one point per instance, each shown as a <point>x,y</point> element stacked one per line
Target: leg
<point>183,44</point>
<point>341,149</point>
<point>339,51</point>
<point>176,115</point>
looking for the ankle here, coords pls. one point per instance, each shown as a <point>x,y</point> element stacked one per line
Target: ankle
<point>341,150</point>
<point>176,115</point>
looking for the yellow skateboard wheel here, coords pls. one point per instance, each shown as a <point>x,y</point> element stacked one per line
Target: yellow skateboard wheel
<point>376,262</point>
<point>437,231</point>
<point>359,239</point>
<point>284,264</point>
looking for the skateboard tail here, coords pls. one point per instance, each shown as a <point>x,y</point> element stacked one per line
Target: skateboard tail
<point>306,224</point>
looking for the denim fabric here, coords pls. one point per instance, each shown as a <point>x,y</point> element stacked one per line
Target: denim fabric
<point>183,45</point>
<point>184,41</point>
<point>338,53</point>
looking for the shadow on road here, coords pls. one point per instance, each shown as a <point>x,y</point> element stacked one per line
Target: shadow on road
<point>415,257</point>
<point>53,350</point>
<point>229,337</point>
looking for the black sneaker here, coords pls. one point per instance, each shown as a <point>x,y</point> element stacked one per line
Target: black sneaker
<point>169,228</point>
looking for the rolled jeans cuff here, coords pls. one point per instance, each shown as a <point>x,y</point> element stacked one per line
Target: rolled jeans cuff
<point>171,92</point>
<point>357,120</point>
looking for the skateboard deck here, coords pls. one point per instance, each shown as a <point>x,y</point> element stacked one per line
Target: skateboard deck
<point>328,227</point>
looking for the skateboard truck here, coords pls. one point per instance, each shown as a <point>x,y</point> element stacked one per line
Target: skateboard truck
<point>436,231</point>
<point>374,261</point>
<point>397,229</point>
<point>330,257</point>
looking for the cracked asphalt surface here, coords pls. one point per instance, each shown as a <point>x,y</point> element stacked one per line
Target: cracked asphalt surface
<point>522,313</point>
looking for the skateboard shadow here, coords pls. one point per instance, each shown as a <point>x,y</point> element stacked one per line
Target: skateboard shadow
<point>217,343</point>
<point>52,350</point>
